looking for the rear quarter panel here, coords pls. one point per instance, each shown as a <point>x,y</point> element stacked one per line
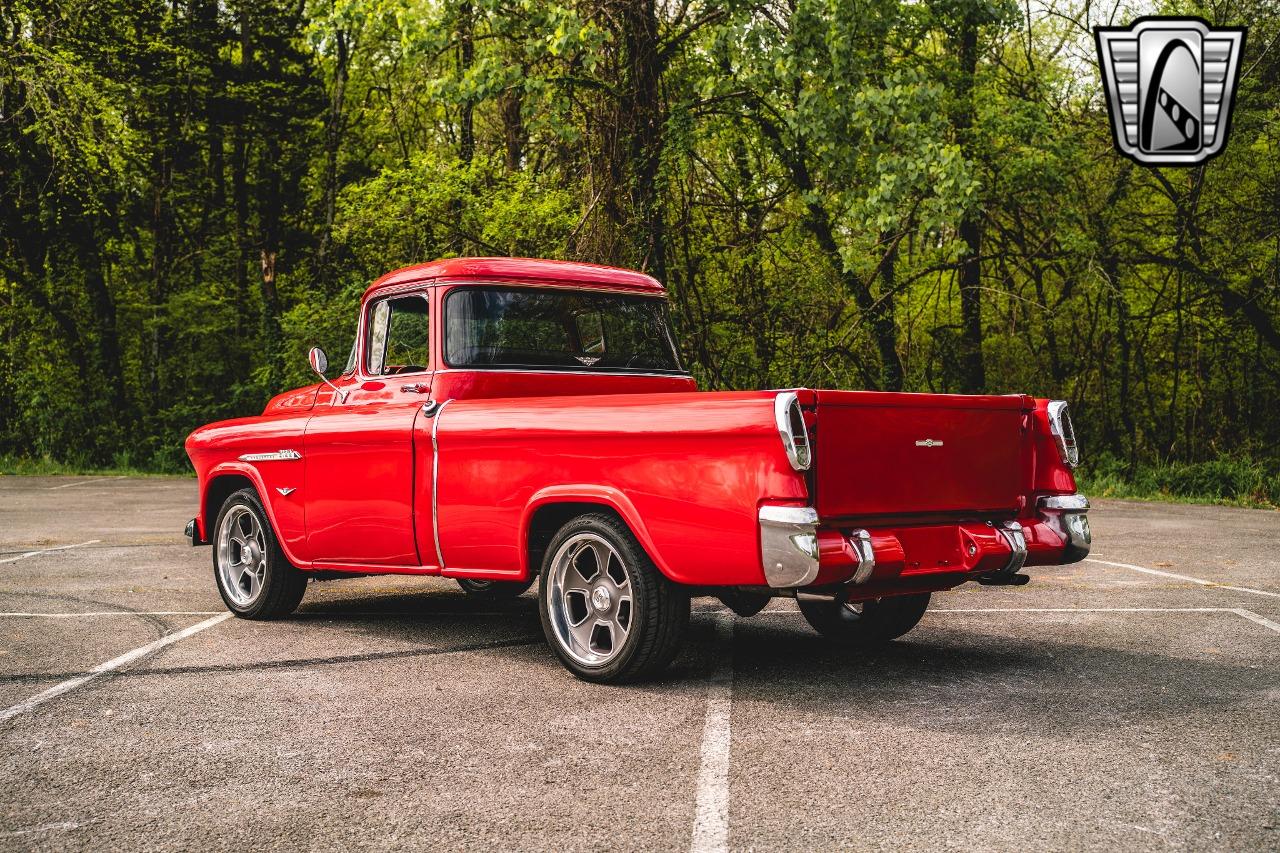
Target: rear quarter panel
<point>686,471</point>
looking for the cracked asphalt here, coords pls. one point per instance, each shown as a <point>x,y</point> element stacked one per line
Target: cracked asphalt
<point>1129,704</point>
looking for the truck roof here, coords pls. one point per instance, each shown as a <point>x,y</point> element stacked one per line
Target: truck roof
<point>522,269</point>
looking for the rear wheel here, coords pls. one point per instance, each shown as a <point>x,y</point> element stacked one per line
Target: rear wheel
<point>493,590</point>
<point>607,611</point>
<point>253,576</point>
<point>865,622</point>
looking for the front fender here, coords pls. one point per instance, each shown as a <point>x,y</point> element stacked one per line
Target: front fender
<point>289,530</point>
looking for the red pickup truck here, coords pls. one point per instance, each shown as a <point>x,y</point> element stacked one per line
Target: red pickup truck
<point>502,421</point>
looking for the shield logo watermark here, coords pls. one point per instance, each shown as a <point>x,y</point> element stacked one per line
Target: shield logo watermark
<point>1170,85</point>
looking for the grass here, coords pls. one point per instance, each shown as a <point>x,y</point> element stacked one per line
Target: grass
<point>1226,481</point>
<point>45,467</point>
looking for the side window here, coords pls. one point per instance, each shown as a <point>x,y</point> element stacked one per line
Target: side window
<point>399,336</point>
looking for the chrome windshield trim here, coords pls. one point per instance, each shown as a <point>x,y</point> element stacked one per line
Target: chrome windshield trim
<point>276,456</point>
<point>435,482</point>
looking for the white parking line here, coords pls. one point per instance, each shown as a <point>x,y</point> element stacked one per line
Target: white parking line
<point>47,550</point>
<point>86,482</point>
<point>113,664</point>
<point>711,814</point>
<point>1238,611</point>
<point>336,614</point>
<point>18,615</point>
<point>1081,610</point>
<point>1188,578</point>
<point>1254,617</point>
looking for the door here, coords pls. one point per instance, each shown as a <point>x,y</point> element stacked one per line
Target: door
<point>359,448</point>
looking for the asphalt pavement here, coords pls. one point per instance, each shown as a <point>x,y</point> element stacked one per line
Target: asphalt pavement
<point>1129,702</point>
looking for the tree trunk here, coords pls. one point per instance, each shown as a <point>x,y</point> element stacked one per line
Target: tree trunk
<point>335,127</point>
<point>884,320</point>
<point>511,107</point>
<point>240,171</point>
<point>973,371</point>
<point>466,58</point>
<point>640,112</point>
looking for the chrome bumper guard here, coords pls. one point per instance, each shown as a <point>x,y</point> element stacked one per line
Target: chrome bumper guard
<point>860,541</point>
<point>1067,516</point>
<point>190,532</point>
<point>789,545</point>
<point>1016,539</point>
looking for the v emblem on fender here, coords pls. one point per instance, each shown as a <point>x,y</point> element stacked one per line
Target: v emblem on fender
<point>286,490</point>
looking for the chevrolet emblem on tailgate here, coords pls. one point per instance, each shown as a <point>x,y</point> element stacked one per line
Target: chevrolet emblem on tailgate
<point>929,442</point>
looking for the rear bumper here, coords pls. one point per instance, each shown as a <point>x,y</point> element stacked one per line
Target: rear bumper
<point>796,550</point>
<point>1068,517</point>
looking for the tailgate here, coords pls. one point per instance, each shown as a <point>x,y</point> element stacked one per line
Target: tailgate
<point>907,454</point>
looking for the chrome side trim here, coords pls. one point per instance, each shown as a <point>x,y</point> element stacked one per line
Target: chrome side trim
<point>1017,541</point>
<point>277,456</point>
<point>789,545</point>
<point>1067,516</point>
<point>860,541</point>
<point>435,482</point>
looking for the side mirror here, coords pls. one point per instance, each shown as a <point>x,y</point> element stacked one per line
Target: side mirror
<point>319,361</point>
<point>319,364</point>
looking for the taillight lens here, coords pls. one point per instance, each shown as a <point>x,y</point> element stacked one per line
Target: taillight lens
<point>791,428</point>
<point>1063,432</point>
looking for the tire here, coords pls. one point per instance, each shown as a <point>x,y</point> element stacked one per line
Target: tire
<point>865,623</point>
<point>269,586</point>
<point>493,590</point>
<point>644,614</point>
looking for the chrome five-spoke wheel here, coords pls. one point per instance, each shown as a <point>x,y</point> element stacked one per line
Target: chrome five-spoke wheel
<point>254,577</point>
<point>607,610</point>
<point>242,555</point>
<point>590,603</point>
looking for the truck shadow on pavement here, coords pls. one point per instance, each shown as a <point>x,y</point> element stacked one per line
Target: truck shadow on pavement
<point>955,678</point>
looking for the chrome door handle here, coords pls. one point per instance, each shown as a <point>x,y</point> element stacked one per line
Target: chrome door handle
<point>415,388</point>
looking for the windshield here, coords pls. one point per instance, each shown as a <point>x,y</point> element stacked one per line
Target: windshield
<point>522,327</point>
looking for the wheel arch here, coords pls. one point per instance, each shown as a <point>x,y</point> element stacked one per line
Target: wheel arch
<point>224,481</point>
<point>551,508</point>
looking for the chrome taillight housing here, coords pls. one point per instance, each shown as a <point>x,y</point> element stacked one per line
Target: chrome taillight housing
<point>795,437</point>
<point>1063,432</point>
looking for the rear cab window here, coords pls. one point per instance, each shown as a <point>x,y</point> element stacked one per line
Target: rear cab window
<point>516,328</point>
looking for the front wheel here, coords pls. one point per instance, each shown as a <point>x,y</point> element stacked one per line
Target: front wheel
<point>607,611</point>
<point>255,579</point>
<point>865,623</point>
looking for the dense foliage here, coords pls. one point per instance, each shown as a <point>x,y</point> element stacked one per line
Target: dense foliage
<point>883,194</point>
